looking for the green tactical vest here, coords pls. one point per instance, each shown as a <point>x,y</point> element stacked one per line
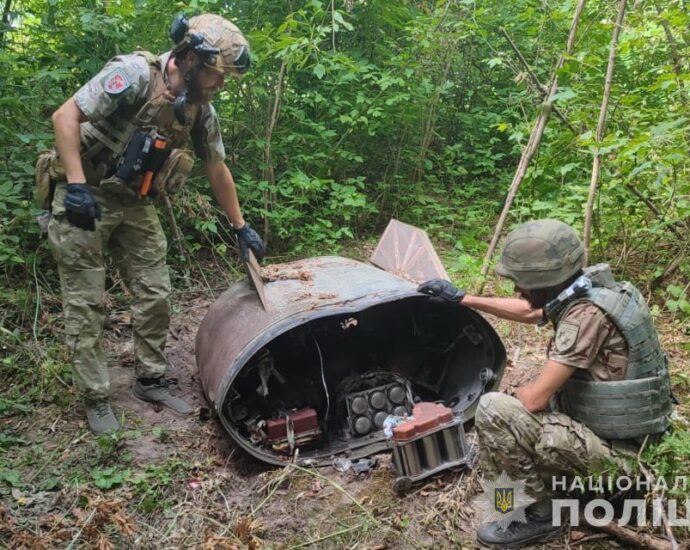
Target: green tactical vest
<point>641,404</point>
<point>104,141</point>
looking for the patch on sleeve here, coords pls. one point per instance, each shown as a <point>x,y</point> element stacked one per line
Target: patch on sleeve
<point>116,82</point>
<point>566,336</point>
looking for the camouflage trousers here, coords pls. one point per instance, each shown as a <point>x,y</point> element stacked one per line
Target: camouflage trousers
<point>536,447</point>
<point>134,237</point>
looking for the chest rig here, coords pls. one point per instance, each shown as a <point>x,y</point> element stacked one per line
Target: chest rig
<point>105,141</point>
<point>641,404</point>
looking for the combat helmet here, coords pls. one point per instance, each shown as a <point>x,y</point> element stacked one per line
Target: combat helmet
<point>218,42</point>
<point>541,254</point>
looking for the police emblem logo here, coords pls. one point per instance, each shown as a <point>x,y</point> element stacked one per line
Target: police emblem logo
<point>503,499</point>
<point>566,336</point>
<point>116,82</point>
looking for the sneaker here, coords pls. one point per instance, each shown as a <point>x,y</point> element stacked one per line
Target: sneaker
<point>158,392</point>
<point>101,417</point>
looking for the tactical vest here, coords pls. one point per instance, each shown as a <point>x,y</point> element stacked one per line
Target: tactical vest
<point>104,141</point>
<point>641,404</point>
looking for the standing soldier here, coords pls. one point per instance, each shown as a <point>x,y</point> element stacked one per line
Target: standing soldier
<point>119,143</point>
<point>603,333</point>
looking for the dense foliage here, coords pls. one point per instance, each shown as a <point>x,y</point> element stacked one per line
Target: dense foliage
<point>354,111</point>
<point>359,110</point>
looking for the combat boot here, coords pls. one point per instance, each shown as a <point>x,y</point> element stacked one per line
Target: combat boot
<point>155,390</point>
<point>538,528</point>
<point>101,417</point>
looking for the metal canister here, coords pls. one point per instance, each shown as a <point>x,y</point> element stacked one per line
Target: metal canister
<point>431,451</point>
<point>400,411</point>
<point>379,419</point>
<point>362,425</point>
<point>377,400</point>
<point>396,394</point>
<point>358,405</point>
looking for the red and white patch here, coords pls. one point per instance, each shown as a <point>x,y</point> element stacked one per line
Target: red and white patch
<point>116,82</point>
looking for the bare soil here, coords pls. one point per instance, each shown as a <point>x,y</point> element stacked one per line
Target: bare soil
<point>183,484</point>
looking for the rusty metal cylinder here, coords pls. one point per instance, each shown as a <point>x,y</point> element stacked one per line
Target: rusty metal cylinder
<point>309,293</point>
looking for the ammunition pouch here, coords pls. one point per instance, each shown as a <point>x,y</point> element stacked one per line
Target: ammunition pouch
<point>174,172</point>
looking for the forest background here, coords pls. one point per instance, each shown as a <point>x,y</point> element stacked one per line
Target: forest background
<point>356,111</point>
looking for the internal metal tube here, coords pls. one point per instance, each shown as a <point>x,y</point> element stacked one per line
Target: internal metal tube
<point>398,461</point>
<point>451,443</point>
<point>411,460</point>
<point>432,451</point>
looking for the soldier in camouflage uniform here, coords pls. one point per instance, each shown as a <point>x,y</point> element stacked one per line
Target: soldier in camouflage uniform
<point>103,202</point>
<point>603,332</point>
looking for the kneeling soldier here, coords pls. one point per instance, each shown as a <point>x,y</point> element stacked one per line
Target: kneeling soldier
<point>603,333</point>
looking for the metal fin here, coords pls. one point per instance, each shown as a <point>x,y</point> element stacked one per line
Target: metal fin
<point>407,252</point>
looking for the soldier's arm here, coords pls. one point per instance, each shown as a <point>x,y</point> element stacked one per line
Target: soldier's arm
<point>123,80</point>
<point>66,121</point>
<point>536,396</point>
<point>223,186</point>
<point>512,309</point>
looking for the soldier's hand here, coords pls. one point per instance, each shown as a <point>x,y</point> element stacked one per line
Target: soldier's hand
<point>81,209</point>
<point>249,239</point>
<point>441,288</point>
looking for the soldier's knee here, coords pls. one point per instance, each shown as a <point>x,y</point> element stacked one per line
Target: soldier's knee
<point>496,408</point>
<point>152,285</point>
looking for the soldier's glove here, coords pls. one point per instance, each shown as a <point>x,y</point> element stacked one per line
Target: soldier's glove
<point>81,209</point>
<point>440,288</point>
<point>248,239</point>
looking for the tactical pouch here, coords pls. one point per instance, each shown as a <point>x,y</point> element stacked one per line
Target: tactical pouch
<point>48,171</point>
<point>133,160</point>
<point>174,173</point>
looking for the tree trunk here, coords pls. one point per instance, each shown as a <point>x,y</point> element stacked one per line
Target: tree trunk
<point>5,20</point>
<point>535,80</point>
<point>430,122</point>
<point>534,140</point>
<point>673,45</point>
<point>269,172</point>
<point>601,127</point>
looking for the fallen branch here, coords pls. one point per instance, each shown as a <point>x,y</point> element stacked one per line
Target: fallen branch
<point>601,126</point>
<point>81,530</point>
<point>534,140</point>
<point>632,537</point>
<point>650,483</point>
<point>671,268</point>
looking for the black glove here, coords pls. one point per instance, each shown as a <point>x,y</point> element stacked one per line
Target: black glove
<point>81,209</point>
<point>441,288</point>
<point>248,238</point>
